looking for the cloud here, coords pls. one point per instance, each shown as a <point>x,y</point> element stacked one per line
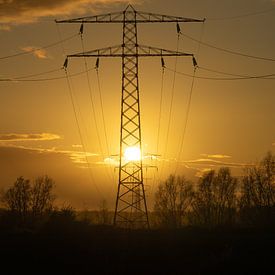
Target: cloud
<point>77,146</point>
<point>216,156</point>
<point>39,53</point>
<point>78,157</point>
<point>28,11</point>
<point>5,27</point>
<point>28,137</point>
<point>73,184</point>
<point>213,163</point>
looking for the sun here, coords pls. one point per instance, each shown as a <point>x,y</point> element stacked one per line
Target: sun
<point>132,154</point>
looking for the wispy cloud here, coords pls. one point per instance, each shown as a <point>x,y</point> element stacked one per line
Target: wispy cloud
<point>79,157</point>
<point>4,27</point>
<point>28,137</point>
<point>215,156</point>
<point>27,11</point>
<point>213,163</point>
<point>39,53</point>
<point>77,146</point>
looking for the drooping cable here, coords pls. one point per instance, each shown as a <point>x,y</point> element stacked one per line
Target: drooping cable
<point>159,124</point>
<point>19,79</point>
<point>80,134</point>
<point>40,48</point>
<point>241,15</point>
<point>77,122</point>
<point>189,101</point>
<point>102,112</point>
<point>93,105</point>
<point>91,98</point>
<point>227,50</point>
<point>266,76</point>
<point>185,121</point>
<point>103,117</point>
<point>171,103</point>
<point>160,109</point>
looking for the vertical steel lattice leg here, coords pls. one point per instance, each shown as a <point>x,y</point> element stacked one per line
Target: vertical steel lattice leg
<point>131,208</point>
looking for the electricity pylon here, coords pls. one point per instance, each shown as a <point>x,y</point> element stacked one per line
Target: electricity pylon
<point>131,207</point>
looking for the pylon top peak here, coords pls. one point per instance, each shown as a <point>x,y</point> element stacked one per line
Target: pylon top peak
<point>129,8</point>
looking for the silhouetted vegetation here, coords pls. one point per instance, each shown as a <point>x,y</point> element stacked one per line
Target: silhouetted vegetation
<point>257,203</point>
<point>28,203</point>
<point>222,225</point>
<point>173,200</point>
<point>215,200</point>
<point>219,199</point>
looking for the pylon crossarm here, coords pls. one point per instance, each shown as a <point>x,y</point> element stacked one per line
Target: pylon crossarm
<point>140,17</point>
<point>115,17</point>
<point>117,51</point>
<point>144,50</point>
<point>114,51</point>
<point>147,17</point>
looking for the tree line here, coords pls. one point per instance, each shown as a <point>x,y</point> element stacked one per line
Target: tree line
<point>217,199</point>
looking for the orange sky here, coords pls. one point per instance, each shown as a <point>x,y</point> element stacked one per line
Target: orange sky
<point>231,122</point>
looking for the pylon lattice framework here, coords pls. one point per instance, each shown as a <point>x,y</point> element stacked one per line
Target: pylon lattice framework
<point>131,207</point>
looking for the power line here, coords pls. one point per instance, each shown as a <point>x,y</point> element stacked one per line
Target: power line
<point>238,76</point>
<point>267,76</point>
<point>77,122</point>
<point>103,118</point>
<point>37,49</point>
<point>160,108</point>
<point>37,74</point>
<point>241,15</point>
<point>22,79</point>
<point>102,113</point>
<point>91,98</point>
<point>189,100</point>
<point>186,119</point>
<point>228,51</point>
<point>222,72</point>
<point>80,134</point>
<point>172,99</point>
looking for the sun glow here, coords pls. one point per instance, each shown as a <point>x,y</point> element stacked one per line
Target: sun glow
<point>132,154</point>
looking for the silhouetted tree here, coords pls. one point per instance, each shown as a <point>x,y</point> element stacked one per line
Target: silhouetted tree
<point>257,203</point>
<point>17,198</point>
<point>24,199</point>
<point>41,199</point>
<point>172,201</point>
<point>215,200</point>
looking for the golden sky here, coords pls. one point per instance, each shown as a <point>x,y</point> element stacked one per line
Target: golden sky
<point>231,122</point>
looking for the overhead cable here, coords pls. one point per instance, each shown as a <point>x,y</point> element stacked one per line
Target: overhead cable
<point>267,76</point>
<point>37,49</point>
<point>227,50</point>
<point>241,15</point>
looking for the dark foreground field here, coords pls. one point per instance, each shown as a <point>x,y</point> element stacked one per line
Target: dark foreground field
<point>85,249</point>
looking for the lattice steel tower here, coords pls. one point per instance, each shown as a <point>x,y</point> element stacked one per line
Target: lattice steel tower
<point>131,207</point>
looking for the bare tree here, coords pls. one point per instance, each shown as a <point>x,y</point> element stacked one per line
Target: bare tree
<point>172,201</point>
<point>17,197</point>
<point>203,203</point>
<point>215,200</point>
<point>25,199</point>
<point>257,203</point>
<point>41,199</point>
